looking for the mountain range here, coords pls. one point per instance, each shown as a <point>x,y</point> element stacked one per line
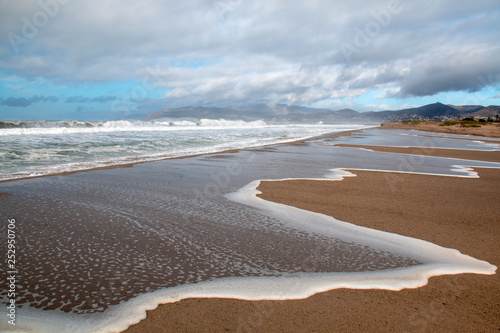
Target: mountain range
<point>284,113</point>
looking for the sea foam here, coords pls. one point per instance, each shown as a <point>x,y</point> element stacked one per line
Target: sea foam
<point>71,127</point>
<point>45,148</point>
<point>436,261</point>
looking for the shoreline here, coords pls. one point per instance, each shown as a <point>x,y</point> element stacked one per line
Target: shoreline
<point>491,130</point>
<point>477,155</point>
<point>464,302</point>
<point>132,164</point>
<point>273,319</point>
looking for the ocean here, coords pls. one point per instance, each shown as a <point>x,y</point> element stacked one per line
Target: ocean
<point>94,250</point>
<point>40,148</point>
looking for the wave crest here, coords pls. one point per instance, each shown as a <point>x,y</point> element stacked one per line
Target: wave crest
<point>71,127</point>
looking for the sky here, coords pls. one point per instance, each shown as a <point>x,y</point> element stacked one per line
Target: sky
<point>110,59</point>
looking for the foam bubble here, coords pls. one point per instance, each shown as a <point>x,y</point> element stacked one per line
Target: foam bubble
<point>436,261</point>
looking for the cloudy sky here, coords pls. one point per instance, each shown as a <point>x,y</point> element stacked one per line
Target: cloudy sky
<point>70,59</point>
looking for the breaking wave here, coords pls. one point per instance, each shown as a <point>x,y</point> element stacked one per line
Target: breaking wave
<point>70,127</point>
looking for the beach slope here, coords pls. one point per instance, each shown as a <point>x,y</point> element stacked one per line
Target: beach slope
<point>452,212</point>
<point>491,130</point>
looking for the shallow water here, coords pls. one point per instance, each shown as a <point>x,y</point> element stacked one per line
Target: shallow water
<point>47,148</point>
<point>92,240</point>
<point>404,138</point>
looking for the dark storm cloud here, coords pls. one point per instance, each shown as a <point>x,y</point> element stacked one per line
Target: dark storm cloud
<point>97,99</point>
<point>103,99</point>
<point>24,102</point>
<point>469,71</point>
<point>77,99</point>
<point>17,102</point>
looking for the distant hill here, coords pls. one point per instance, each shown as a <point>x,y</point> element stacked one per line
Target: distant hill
<point>489,111</point>
<point>276,113</point>
<point>198,112</point>
<point>293,113</point>
<point>430,111</point>
<point>467,109</point>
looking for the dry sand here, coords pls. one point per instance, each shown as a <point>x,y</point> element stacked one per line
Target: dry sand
<point>453,212</point>
<point>491,130</point>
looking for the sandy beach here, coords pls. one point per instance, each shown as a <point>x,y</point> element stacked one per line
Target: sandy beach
<point>155,218</point>
<point>488,156</point>
<point>250,166</point>
<point>452,212</point>
<point>491,130</point>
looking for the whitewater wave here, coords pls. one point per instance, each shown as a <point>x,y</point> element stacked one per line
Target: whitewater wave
<point>41,151</point>
<point>71,127</point>
<point>231,123</point>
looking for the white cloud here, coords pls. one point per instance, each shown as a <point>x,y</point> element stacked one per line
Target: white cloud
<point>389,93</point>
<point>260,51</point>
<point>389,107</point>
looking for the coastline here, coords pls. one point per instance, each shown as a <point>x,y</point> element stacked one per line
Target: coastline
<point>487,156</point>
<point>448,211</point>
<point>251,315</point>
<point>228,151</point>
<point>491,130</point>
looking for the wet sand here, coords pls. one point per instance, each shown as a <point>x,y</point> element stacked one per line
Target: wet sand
<point>491,130</point>
<point>477,155</point>
<point>339,310</point>
<point>453,212</point>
